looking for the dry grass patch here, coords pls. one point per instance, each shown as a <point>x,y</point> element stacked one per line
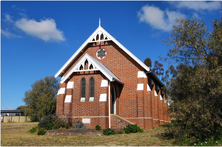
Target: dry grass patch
<point>16,127</point>
<point>148,137</point>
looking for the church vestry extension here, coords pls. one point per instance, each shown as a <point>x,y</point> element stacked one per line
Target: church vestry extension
<point>104,84</point>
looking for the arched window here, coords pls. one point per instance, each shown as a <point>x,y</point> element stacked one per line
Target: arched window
<point>92,87</point>
<point>83,87</point>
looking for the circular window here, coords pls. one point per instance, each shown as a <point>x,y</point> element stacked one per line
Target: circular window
<point>101,53</point>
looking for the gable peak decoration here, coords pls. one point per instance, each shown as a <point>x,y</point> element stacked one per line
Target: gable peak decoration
<point>99,35</point>
<point>92,65</point>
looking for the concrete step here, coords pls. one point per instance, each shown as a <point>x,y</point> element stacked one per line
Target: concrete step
<point>117,122</point>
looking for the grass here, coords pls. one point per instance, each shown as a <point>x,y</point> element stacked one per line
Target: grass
<point>13,135</point>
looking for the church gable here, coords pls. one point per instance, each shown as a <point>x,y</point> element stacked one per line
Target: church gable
<point>98,36</point>
<point>88,63</point>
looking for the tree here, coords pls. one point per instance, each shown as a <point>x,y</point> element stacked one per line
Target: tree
<point>41,100</point>
<point>21,108</point>
<point>148,62</point>
<point>158,67</point>
<point>195,86</point>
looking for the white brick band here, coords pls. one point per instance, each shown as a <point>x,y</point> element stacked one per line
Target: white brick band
<point>68,99</point>
<point>70,85</point>
<point>104,83</point>
<point>141,74</point>
<point>103,97</point>
<point>140,86</point>
<point>61,91</point>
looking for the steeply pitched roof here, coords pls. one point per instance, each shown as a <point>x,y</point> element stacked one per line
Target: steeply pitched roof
<point>96,65</point>
<point>99,35</point>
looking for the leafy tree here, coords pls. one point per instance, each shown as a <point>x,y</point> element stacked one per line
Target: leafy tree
<point>21,108</point>
<point>24,108</point>
<point>195,85</point>
<point>41,100</point>
<point>158,68</point>
<point>148,62</point>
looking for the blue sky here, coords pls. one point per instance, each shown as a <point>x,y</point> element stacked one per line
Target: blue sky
<point>37,38</point>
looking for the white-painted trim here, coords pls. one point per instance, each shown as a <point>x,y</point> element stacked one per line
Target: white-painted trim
<point>86,120</point>
<point>140,86</point>
<point>103,97</point>
<point>168,104</point>
<point>161,98</point>
<point>109,107</point>
<point>141,74</point>
<point>104,83</point>
<point>68,99</point>
<point>83,99</point>
<point>148,87</point>
<point>70,85</point>
<point>155,94</point>
<point>61,91</point>
<point>99,29</point>
<point>95,63</point>
<point>91,99</point>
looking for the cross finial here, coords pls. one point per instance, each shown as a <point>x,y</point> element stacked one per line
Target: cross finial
<point>99,22</point>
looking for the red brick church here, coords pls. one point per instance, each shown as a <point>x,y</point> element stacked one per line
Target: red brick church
<point>104,84</point>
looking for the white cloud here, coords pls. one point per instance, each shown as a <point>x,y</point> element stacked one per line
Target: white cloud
<point>8,18</point>
<point>45,29</point>
<point>158,19</point>
<point>10,108</point>
<point>23,15</point>
<point>195,15</point>
<point>9,35</point>
<point>18,8</point>
<point>199,5</point>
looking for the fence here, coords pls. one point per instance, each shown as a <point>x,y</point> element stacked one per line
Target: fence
<point>15,119</point>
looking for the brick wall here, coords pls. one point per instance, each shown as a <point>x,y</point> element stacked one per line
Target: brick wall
<point>141,107</point>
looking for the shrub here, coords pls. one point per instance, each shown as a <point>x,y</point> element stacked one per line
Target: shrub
<point>108,131</point>
<point>44,123</point>
<point>50,122</point>
<point>33,129</point>
<point>41,131</point>
<point>132,129</point>
<point>98,127</point>
<point>50,125</point>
